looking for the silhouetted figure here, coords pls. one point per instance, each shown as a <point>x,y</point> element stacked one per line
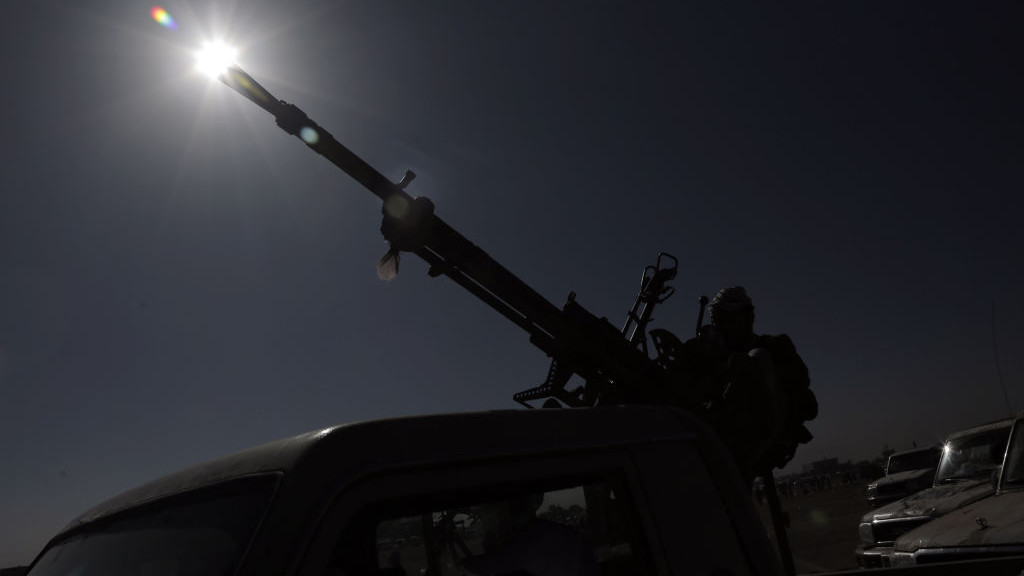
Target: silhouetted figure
<point>756,388</point>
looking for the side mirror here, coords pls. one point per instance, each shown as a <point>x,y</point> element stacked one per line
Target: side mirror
<point>994,479</point>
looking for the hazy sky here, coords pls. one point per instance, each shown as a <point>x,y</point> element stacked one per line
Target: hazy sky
<point>179,279</point>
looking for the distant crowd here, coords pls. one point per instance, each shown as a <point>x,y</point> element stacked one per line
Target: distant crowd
<point>803,484</point>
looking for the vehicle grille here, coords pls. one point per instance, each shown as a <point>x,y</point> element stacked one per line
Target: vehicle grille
<point>889,530</point>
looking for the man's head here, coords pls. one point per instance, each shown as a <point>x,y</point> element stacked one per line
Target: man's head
<point>732,314</point>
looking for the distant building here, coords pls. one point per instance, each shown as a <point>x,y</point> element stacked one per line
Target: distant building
<point>823,466</point>
<point>870,470</point>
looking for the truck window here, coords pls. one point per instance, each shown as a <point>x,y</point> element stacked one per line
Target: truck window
<point>584,529</point>
<point>200,534</point>
<point>919,460</point>
<point>974,456</point>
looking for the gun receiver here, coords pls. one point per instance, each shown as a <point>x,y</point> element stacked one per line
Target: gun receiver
<point>613,363</point>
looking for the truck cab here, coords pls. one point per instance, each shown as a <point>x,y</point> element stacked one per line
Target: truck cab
<point>906,472</point>
<point>617,490</point>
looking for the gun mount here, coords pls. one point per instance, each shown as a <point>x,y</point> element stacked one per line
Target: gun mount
<point>599,340</point>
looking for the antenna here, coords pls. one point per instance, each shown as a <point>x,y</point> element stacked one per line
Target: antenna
<point>999,371</point>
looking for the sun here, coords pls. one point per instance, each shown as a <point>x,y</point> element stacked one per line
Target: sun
<point>214,58</point>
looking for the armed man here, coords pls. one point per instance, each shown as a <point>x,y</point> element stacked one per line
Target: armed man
<point>755,388</point>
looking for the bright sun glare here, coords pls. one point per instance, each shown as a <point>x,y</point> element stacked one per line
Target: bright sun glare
<point>214,58</point>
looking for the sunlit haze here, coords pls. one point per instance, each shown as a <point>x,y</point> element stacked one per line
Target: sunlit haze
<point>214,58</point>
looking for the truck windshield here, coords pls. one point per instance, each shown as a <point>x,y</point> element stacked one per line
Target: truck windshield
<point>196,534</point>
<point>973,456</point>
<point>917,460</point>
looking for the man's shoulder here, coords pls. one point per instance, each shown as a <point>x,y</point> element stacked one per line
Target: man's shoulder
<point>783,351</point>
<point>776,342</point>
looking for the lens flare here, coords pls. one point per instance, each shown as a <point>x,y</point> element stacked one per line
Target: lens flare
<point>163,18</point>
<point>309,135</point>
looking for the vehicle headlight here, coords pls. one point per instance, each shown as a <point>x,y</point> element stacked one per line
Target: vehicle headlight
<point>902,559</point>
<point>867,535</point>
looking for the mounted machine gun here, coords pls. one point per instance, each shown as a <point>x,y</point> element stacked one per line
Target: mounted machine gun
<point>614,364</point>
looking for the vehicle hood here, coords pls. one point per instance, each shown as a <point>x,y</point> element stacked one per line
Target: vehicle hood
<point>900,477</point>
<point>935,501</point>
<point>1001,516</point>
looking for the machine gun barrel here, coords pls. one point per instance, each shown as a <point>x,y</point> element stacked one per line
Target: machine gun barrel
<point>446,250</point>
<point>578,342</point>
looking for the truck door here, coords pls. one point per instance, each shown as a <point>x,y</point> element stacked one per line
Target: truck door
<point>650,509</point>
<point>566,514</point>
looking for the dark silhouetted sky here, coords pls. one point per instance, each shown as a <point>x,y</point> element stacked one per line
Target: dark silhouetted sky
<point>179,279</point>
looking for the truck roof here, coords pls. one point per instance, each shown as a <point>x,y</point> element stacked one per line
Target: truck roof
<point>916,450</point>
<point>311,460</point>
<point>982,428</point>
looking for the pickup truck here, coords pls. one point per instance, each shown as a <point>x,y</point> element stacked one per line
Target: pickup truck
<point>963,477</point>
<point>988,528</point>
<point>906,472</point>
<point>598,491</point>
<point>618,490</point>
